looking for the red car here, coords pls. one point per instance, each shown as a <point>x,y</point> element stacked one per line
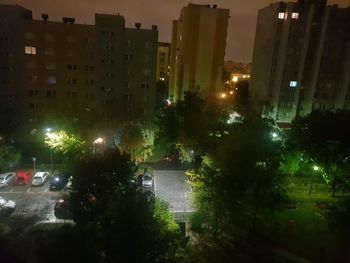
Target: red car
<point>23,177</point>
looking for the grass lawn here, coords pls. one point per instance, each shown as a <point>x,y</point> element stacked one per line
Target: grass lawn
<point>304,230</point>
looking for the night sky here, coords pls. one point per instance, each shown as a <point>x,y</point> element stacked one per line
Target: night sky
<point>161,12</point>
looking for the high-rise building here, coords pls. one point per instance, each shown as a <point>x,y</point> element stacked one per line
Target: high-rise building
<point>163,61</point>
<point>198,49</point>
<point>301,59</point>
<point>80,71</point>
<point>163,72</point>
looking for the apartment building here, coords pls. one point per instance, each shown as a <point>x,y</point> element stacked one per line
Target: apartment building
<point>198,49</point>
<point>100,72</point>
<point>301,59</point>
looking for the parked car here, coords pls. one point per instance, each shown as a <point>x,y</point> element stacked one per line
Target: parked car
<point>40,178</point>
<point>59,181</point>
<point>6,206</point>
<point>62,209</point>
<point>23,177</point>
<point>147,180</point>
<point>7,178</point>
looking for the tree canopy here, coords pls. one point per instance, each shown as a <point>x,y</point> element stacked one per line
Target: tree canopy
<point>126,222</point>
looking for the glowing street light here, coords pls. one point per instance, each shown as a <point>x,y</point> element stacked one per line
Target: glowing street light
<point>316,168</point>
<point>97,141</point>
<point>223,95</point>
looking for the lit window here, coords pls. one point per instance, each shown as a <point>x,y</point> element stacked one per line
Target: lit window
<point>295,15</point>
<point>293,83</point>
<point>30,50</point>
<point>281,15</point>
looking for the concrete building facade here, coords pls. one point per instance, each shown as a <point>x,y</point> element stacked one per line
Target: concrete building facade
<point>301,59</point>
<point>81,71</point>
<point>198,49</point>
<point>163,73</point>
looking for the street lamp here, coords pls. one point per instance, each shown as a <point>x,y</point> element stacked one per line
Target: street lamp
<point>48,134</point>
<point>316,169</point>
<point>98,140</point>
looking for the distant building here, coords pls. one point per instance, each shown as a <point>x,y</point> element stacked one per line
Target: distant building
<point>198,49</point>
<point>101,71</point>
<point>163,61</point>
<point>234,72</point>
<point>163,72</point>
<point>301,59</point>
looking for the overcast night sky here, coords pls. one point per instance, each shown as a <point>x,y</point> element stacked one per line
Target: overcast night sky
<point>161,12</point>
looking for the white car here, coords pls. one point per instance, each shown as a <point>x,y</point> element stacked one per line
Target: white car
<point>7,178</point>
<point>40,178</point>
<point>6,205</point>
<point>147,180</point>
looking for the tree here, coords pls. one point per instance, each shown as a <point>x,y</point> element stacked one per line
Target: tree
<point>241,99</point>
<point>240,176</point>
<point>326,147</point>
<point>131,139</point>
<point>8,157</point>
<point>291,163</point>
<point>189,121</point>
<point>128,225</point>
<point>72,147</point>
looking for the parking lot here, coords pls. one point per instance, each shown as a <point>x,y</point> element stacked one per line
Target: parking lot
<point>30,200</point>
<point>172,186</point>
<point>39,201</point>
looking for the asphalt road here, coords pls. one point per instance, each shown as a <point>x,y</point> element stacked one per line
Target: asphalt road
<point>172,186</point>
<point>32,200</point>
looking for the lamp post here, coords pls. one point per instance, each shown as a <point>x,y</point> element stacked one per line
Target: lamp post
<point>98,140</point>
<point>316,169</point>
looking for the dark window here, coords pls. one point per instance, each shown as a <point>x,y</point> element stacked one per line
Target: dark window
<point>144,85</point>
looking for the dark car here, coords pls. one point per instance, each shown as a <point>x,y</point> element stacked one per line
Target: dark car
<point>62,209</point>
<point>59,181</point>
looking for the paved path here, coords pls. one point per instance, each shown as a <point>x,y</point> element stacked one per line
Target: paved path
<point>172,186</point>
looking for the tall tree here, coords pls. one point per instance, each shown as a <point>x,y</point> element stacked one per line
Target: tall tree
<point>240,175</point>
<point>324,137</point>
<point>124,220</point>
